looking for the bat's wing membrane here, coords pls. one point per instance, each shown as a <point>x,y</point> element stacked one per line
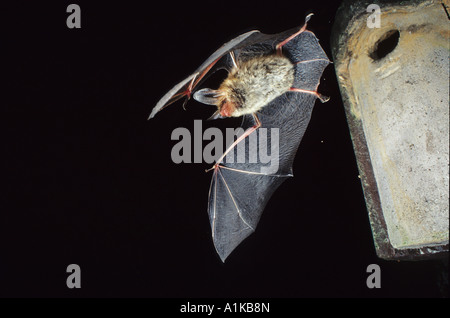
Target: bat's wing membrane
<point>310,61</point>
<point>240,190</point>
<point>242,185</point>
<point>235,206</point>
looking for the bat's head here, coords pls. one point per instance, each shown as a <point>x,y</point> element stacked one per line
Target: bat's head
<point>226,107</point>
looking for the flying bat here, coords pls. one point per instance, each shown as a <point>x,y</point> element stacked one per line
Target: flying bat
<point>272,83</point>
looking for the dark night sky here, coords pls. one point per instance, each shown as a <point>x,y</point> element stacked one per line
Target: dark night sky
<point>89,181</point>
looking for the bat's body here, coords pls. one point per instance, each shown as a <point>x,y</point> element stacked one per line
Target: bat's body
<point>251,85</point>
<point>272,82</point>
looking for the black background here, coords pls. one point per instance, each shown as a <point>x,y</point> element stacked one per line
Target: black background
<point>89,181</point>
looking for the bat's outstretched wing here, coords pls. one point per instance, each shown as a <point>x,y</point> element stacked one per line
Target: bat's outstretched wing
<point>240,187</point>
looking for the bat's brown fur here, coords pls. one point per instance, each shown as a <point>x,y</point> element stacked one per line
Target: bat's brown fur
<point>253,84</point>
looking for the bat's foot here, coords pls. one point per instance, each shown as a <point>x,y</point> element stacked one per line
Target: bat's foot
<point>322,98</point>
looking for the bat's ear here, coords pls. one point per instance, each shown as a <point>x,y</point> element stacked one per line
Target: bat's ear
<point>216,115</point>
<point>207,96</point>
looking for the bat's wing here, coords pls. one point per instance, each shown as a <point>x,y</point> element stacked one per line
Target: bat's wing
<point>240,187</point>
<point>216,61</point>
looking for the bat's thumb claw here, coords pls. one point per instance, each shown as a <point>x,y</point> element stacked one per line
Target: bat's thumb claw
<point>323,98</point>
<point>185,102</point>
<point>212,168</point>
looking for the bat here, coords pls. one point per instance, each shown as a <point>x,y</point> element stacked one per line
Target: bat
<point>272,84</point>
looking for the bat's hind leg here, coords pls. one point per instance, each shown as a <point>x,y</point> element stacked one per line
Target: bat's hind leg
<point>307,63</point>
<point>238,140</point>
<point>322,98</point>
<point>280,45</point>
